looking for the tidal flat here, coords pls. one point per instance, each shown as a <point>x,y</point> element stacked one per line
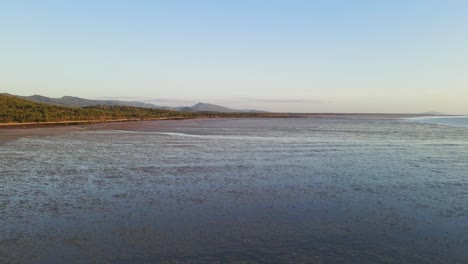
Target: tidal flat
<point>357,189</point>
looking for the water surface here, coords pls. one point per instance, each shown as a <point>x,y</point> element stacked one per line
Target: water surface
<point>458,121</point>
<point>304,190</point>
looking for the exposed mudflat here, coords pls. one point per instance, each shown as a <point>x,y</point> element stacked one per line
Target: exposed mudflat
<point>319,190</point>
<point>10,134</point>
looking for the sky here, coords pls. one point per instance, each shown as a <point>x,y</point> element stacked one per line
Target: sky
<point>399,56</point>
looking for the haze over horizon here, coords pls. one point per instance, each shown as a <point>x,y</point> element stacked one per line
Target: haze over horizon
<point>281,56</point>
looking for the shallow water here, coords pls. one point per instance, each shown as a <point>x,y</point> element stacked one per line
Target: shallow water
<point>311,190</point>
<point>458,121</point>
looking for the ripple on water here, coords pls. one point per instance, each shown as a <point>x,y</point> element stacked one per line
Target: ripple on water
<point>341,190</point>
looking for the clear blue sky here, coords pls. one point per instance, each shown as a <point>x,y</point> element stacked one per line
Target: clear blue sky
<point>310,56</point>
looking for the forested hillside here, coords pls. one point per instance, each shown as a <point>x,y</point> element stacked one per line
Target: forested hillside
<point>72,101</point>
<point>16,110</point>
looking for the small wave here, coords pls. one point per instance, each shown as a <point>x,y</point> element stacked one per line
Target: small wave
<point>178,134</point>
<point>453,121</point>
<point>191,135</point>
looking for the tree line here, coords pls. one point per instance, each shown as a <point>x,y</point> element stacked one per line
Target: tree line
<point>16,110</point>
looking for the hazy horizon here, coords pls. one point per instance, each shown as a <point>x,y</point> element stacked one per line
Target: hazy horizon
<point>279,56</point>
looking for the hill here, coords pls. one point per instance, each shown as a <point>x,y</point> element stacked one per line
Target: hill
<point>203,107</point>
<point>82,102</point>
<point>18,110</point>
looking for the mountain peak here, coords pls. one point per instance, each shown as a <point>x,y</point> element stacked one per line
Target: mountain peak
<point>204,107</point>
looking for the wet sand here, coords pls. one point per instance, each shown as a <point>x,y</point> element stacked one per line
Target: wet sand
<point>11,134</point>
<point>14,131</point>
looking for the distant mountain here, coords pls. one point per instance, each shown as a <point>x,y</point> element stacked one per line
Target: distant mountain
<point>203,107</point>
<point>82,102</point>
<point>15,110</point>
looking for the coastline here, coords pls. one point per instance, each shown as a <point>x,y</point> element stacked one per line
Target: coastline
<point>269,115</point>
<point>13,131</point>
<point>77,122</point>
<point>90,122</point>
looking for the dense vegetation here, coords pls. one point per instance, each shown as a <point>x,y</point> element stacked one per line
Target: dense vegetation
<point>16,110</point>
